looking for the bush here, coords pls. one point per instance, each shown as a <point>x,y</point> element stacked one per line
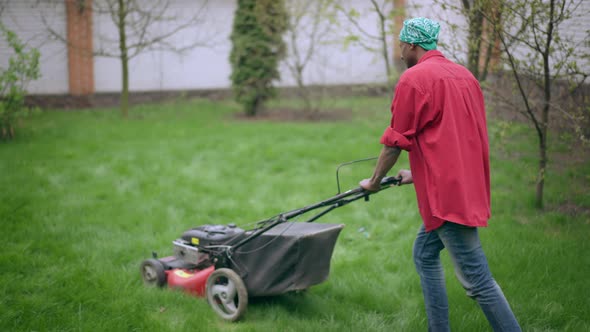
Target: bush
<point>257,49</point>
<point>23,67</point>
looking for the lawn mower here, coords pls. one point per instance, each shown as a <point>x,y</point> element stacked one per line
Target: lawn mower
<point>227,264</point>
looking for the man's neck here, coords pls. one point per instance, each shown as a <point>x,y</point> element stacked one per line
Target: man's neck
<point>420,52</point>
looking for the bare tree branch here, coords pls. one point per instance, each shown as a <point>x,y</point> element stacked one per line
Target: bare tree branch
<point>375,43</point>
<point>140,26</point>
<point>310,24</point>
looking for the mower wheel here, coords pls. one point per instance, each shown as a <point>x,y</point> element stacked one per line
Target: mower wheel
<point>152,272</point>
<point>227,294</point>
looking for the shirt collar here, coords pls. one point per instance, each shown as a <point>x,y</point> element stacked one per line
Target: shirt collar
<point>430,54</point>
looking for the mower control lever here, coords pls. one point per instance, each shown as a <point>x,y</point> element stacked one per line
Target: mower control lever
<point>391,181</point>
<point>385,183</point>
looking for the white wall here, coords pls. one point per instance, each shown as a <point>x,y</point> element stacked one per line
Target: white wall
<point>332,62</point>
<point>577,30</point>
<point>209,67</point>
<point>198,68</point>
<point>26,18</point>
<point>454,40</point>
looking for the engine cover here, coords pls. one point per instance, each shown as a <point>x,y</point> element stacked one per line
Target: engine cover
<point>212,235</point>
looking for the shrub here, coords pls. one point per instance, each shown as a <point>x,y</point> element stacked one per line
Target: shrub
<point>257,49</point>
<point>23,67</point>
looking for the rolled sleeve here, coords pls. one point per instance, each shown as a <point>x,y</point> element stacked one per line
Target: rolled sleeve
<point>393,138</point>
<point>410,112</point>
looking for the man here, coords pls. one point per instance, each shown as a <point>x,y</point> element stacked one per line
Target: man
<point>438,116</point>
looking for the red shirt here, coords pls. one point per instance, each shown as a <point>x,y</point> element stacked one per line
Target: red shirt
<point>438,115</point>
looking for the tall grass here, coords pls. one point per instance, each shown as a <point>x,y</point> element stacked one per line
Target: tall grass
<point>86,196</point>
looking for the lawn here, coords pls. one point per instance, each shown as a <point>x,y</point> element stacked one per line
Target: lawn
<point>86,196</point>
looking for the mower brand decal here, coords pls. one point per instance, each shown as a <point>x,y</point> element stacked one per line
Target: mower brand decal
<point>182,274</point>
<point>195,241</point>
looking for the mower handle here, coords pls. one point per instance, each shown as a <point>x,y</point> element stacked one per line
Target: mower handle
<point>390,181</point>
<point>344,198</point>
<point>329,205</point>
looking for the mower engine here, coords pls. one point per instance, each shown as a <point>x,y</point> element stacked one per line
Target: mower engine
<point>187,247</point>
<point>190,266</point>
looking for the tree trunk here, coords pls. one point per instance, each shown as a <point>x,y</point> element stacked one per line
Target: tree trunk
<point>124,59</point>
<point>546,107</point>
<point>125,90</point>
<point>475,38</point>
<point>493,42</point>
<point>542,170</point>
<point>383,36</point>
<point>543,136</point>
<point>385,53</point>
<point>303,91</point>
<point>254,107</point>
<point>488,54</point>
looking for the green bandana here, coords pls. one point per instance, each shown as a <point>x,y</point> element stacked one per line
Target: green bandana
<point>420,31</point>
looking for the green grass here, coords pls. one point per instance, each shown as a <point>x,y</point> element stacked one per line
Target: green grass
<point>86,196</point>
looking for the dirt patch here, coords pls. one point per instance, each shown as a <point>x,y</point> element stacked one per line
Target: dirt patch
<point>298,115</point>
<point>564,160</point>
<point>572,209</point>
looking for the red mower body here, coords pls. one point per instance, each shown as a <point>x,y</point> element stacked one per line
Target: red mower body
<point>191,281</point>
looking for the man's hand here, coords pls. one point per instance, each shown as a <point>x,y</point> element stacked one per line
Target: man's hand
<point>387,158</point>
<point>406,176</point>
<point>369,185</point>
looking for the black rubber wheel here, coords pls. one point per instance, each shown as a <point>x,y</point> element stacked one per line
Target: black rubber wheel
<point>227,294</point>
<point>152,272</point>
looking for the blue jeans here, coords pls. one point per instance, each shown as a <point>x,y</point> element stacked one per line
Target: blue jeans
<point>471,268</point>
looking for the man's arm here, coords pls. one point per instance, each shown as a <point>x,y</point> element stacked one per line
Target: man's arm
<point>387,159</point>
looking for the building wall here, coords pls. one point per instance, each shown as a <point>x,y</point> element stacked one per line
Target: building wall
<point>205,67</point>
<point>30,19</point>
<point>334,61</point>
<point>208,67</point>
<point>577,28</point>
<point>453,39</point>
<point>199,68</point>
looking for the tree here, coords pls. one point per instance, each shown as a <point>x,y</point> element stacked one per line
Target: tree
<point>23,67</point>
<point>257,49</point>
<point>378,42</point>
<point>481,40</point>
<point>541,56</point>
<point>309,26</point>
<point>141,26</point>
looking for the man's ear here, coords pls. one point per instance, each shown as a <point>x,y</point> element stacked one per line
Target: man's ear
<point>412,46</point>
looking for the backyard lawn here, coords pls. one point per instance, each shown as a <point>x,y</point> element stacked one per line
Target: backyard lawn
<point>87,196</point>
